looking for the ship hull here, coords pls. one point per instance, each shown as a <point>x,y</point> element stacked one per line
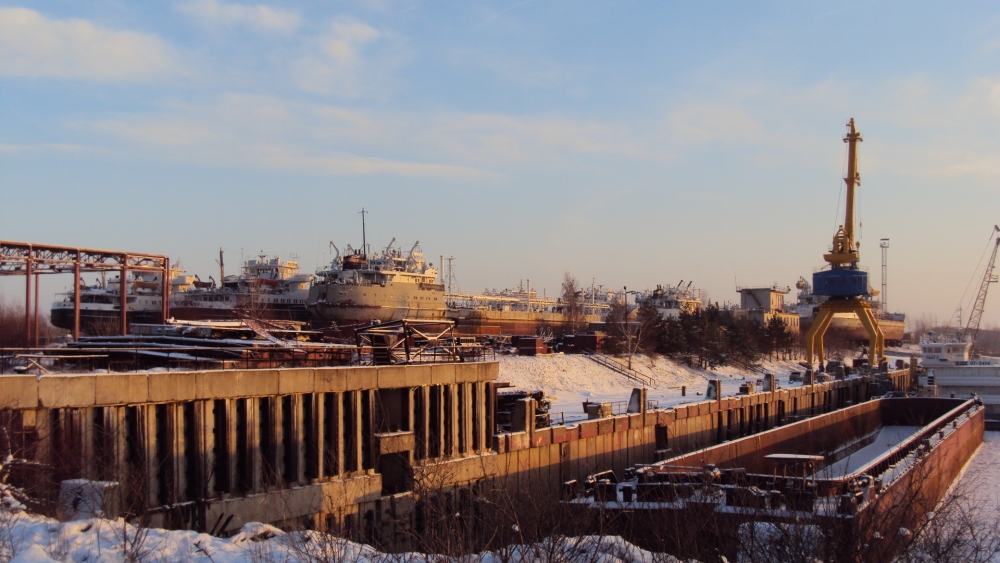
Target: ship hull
<point>189,312</point>
<point>345,304</point>
<point>483,322</point>
<point>849,328</point>
<point>101,319</point>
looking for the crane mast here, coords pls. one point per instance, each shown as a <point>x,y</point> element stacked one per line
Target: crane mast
<point>972,328</point>
<point>844,251</point>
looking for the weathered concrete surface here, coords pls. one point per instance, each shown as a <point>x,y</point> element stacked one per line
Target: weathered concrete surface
<point>55,391</point>
<point>276,445</point>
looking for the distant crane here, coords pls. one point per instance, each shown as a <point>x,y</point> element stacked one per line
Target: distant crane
<point>972,328</point>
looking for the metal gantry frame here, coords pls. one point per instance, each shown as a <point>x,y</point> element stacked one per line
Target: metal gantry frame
<point>31,259</point>
<point>413,341</point>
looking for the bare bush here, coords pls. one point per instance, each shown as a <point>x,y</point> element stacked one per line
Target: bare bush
<point>12,329</point>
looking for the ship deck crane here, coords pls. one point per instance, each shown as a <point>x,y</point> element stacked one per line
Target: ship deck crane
<point>972,327</point>
<point>845,284</point>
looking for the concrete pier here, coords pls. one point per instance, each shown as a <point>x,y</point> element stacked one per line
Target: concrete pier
<point>340,448</point>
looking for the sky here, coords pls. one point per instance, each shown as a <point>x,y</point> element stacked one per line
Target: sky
<point>626,143</point>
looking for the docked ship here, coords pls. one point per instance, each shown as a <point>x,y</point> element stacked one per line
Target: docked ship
<point>847,326</point>
<point>521,311</point>
<point>100,304</point>
<point>951,368</point>
<point>267,289</point>
<point>360,287</point>
<point>672,300</point>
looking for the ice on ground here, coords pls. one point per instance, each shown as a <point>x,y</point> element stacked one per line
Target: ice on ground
<point>572,379</point>
<point>888,437</point>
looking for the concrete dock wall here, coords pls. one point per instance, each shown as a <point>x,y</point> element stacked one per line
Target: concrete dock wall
<point>342,448</point>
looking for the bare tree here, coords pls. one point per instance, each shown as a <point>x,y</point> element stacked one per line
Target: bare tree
<point>572,297</point>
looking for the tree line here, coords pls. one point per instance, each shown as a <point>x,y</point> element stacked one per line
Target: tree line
<point>709,337</point>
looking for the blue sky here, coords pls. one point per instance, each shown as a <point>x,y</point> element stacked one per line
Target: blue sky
<point>634,143</point>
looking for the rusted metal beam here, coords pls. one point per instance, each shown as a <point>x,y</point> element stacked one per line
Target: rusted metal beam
<point>166,290</point>
<point>76,298</point>
<point>35,343</point>
<point>25,259</point>
<point>50,259</point>
<point>27,302</point>
<point>123,296</point>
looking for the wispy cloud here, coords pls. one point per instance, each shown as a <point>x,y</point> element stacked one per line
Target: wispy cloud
<point>34,46</point>
<point>259,17</point>
<point>703,122</point>
<point>270,133</point>
<point>44,147</point>
<point>351,59</point>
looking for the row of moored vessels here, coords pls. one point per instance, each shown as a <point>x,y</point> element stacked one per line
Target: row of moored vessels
<point>357,288</point>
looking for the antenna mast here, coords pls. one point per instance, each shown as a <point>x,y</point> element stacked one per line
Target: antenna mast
<point>364,239</point>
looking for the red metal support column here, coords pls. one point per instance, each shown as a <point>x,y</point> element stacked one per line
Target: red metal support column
<point>166,290</point>
<point>27,300</point>
<point>123,295</point>
<point>37,275</point>
<point>76,298</point>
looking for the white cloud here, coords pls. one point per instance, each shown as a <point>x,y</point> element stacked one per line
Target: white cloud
<point>704,122</point>
<point>337,65</point>
<point>34,46</point>
<point>269,133</point>
<point>260,17</point>
<point>43,147</point>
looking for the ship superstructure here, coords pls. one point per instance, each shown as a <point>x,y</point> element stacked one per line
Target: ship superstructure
<point>359,287</point>
<point>268,288</point>
<point>100,304</point>
<point>672,300</point>
<point>523,311</point>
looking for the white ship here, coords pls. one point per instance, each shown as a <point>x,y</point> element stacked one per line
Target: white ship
<point>951,369</point>
<point>672,300</point>
<point>268,288</point>
<point>100,304</point>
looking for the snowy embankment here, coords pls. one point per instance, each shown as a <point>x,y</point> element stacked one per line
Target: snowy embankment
<point>33,539</point>
<point>571,379</point>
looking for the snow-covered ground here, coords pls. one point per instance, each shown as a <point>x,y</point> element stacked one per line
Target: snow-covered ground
<point>888,437</point>
<point>32,539</point>
<point>980,480</point>
<point>572,379</point>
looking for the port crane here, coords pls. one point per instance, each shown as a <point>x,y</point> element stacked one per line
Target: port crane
<point>972,327</point>
<point>845,284</point>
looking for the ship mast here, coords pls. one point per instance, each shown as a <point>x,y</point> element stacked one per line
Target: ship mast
<point>364,240</point>
<point>222,270</point>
